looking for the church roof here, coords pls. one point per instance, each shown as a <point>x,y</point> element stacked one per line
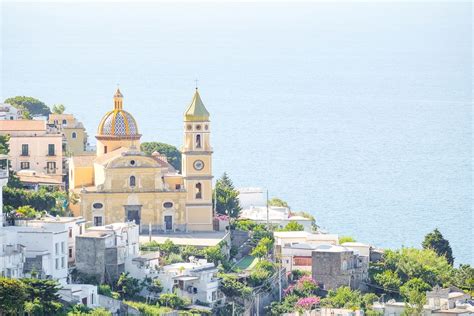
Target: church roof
<point>196,111</point>
<point>118,123</point>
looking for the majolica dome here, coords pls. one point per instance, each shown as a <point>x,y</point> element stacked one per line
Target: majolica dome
<point>118,123</point>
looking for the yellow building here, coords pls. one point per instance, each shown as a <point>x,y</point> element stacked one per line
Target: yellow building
<point>74,133</point>
<point>120,183</point>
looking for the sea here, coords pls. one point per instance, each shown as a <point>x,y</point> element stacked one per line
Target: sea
<point>357,112</point>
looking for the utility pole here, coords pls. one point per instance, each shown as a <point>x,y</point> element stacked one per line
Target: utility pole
<point>268,215</point>
<point>279,282</point>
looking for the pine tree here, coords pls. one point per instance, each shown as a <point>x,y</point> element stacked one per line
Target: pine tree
<point>436,242</point>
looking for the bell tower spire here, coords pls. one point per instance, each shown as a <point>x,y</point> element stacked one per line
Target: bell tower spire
<point>197,165</point>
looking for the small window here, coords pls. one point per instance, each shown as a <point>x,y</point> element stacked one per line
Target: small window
<point>168,205</point>
<point>51,150</point>
<point>178,186</point>
<point>70,232</point>
<point>189,127</point>
<point>24,165</point>
<point>24,150</point>
<point>206,127</point>
<point>105,149</point>
<point>133,181</point>
<point>63,247</point>
<point>51,167</point>
<point>70,252</point>
<point>64,122</point>
<point>132,162</point>
<point>198,190</point>
<point>97,205</point>
<point>74,135</point>
<point>198,127</point>
<point>63,262</point>
<point>57,263</point>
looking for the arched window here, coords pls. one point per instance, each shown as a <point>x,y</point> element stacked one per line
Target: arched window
<point>132,181</point>
<point>64,122</point>
<point>198,190</point>
<point>74,135</point>
<point>198,141</point>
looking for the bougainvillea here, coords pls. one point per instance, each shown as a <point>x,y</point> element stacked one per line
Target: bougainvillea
<point>307,302</point>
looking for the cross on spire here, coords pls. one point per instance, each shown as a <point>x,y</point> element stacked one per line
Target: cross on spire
<point>196,82</point>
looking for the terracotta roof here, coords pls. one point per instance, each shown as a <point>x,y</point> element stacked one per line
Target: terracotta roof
<point>39,178</point>
<point>22,125</point>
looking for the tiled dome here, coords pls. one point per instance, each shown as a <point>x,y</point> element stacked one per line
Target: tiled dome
<point>118,123</point>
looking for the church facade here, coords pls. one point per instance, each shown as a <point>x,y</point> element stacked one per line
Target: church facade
<point>121,183</point>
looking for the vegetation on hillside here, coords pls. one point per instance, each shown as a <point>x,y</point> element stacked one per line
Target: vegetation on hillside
<point>173,155</point>
<point>30,105</point>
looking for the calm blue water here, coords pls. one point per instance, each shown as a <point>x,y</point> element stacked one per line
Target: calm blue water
<point>360,113</point>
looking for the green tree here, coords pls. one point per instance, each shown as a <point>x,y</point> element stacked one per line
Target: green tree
<point>173,155</point>
<point>438,244</point>
<point>12,295</point>
<point>227,197</point>
<point>414,303</point>
<point>343,297</point>
<point>277,202</point>
<point>464,277</point>
<point>155,286</point>
<point>168,247</point>
<point>344,239</point>
<point>58,108</point>
<point>233,288</point>
<point>172,300</point>
<point>127,286</point>
<point>389,280</point>
<point>27,212</point>
<point>43,297</point>
<point>32,105</point>
<point>292,226</point>
<point>214,254</point>
<point>414,284</point>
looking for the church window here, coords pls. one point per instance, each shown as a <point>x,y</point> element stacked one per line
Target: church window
<point>198,141</point>
<point>97,220</point>
<point>132,181</point>
<point>105,149</point>
<point>206,127</point>
<point>198,190</point>
<point>74,135</point>
<point>168,205</point>
<point>132,162</point>
<point>189,127</point>
<point>97,205</point>
<point>64,122</point>
<point>198,127</point>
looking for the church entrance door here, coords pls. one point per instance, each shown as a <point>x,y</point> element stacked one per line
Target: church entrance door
<point>132,213</point>
<point>168,222</point>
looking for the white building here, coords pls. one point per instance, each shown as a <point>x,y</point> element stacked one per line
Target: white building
<point>254,207</point>
<point>45,251</point>
<point>85,294</point>
<point>104,252</point>
<point>12,254</point>
<point>9,112</point>
<point>144,266</point>
<point>196,280</point>
<point>440,302</point>
<point>75,226</point>
<point>286,238</point>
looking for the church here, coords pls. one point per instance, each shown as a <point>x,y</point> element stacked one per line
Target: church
<point>121,183</point>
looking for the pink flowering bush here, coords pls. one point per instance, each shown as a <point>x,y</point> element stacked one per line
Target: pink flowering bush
<point>307,302</point>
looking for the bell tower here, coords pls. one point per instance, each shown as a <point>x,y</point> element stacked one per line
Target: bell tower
<point>197,166</point>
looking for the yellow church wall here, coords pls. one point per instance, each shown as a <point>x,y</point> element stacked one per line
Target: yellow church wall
<point>81,176</point>
<point>151,211</point>
<point>75,146</point>
<point>189,162</point>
